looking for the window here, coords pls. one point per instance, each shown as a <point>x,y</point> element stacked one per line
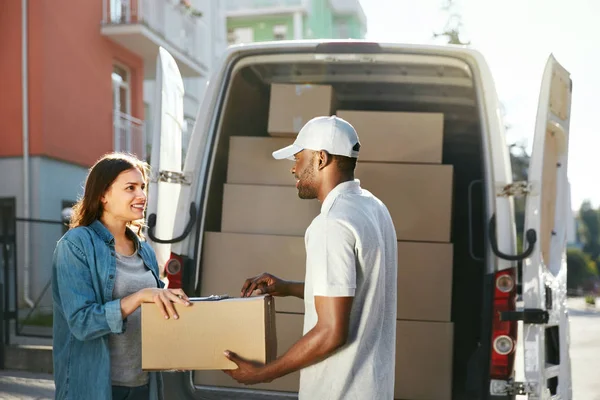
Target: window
<point>128,134</point>
<point>119,11</point>
<point>280,32</point>
<point>121,91</point>
<point>240,35</point>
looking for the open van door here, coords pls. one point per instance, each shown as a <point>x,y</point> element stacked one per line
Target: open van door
<point>545,321</point>
<point>166,155</point>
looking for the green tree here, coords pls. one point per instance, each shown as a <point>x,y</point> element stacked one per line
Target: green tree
<point>581,270</point>
<point>453,25</point>
<point>590,230</point>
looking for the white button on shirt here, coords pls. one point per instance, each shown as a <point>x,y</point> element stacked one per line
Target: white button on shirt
<point>351,250</point>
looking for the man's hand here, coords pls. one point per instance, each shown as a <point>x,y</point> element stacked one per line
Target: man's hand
<point>248,373</point>
<point>265,284</point>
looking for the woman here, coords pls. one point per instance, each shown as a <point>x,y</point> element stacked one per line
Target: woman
<point>102,273</point>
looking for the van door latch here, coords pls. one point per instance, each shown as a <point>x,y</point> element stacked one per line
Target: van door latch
<point>515,189</point>
<point>499,388</point>
<point>527,315</point>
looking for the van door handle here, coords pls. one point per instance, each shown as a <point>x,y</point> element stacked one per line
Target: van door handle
<point>186,231</point>
<point>530,237</point>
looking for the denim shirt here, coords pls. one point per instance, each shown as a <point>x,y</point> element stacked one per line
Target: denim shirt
<point>85,313</point>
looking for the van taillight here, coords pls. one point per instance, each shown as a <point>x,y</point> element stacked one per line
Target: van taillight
<point>504,333</point>
<point>174,271</point>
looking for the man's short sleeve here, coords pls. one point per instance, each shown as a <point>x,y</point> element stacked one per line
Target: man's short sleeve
<point>332,258</point>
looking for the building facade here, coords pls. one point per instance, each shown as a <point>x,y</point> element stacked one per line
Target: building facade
<point>77,81</point>
<point>265,20</point>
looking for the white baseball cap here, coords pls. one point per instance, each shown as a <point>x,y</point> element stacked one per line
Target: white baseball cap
<point>332,134</point>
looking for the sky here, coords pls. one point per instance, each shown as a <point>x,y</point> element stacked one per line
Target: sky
<point>516,37</point>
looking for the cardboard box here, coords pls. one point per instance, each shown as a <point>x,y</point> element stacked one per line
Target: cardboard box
<point>410,137</point>
<point>425,281</point>
<point>205,330</point>
<point>251,161</point>
<point>289,331</point>
<point>424,360</point>
<point>419,197</point>
<point>292,106</point>
<point>268,210</point>
<point>228,259</point>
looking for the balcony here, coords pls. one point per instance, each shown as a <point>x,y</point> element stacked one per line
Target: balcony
<point>248,8</point>
<point>142,26</point>
<point>129,134</point>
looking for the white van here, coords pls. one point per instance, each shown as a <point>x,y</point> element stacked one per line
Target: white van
<point>488,271</point>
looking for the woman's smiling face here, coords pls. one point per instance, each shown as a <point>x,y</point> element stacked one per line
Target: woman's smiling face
<point>125,199</point>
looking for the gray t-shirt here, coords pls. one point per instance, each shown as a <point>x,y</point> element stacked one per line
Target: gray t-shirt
<point>351,251</point>
<point>126,348</point>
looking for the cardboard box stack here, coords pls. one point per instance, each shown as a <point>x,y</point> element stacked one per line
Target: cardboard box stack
<point>264,221</point>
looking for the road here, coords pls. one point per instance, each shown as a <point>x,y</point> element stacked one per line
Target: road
<point>585,351</point>
<point>585,359</point>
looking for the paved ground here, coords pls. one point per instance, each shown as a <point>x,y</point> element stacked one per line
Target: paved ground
<point>585,359</point>
<point>18,385</point>
<point>585,350</point>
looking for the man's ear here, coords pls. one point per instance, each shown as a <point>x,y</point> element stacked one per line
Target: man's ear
<point>324,159</point>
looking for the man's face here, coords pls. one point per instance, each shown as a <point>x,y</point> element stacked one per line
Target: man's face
<point>305,171</point>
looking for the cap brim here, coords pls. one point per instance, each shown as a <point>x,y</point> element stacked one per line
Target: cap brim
<point>287,152</point>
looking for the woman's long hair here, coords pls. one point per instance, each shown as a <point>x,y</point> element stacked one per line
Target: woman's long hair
<point>102,174</point>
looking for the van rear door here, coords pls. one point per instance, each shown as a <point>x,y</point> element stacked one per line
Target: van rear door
<point>165,161</point>
<point>545,320</point>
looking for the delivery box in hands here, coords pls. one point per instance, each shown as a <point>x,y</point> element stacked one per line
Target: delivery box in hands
<point>204,330</point>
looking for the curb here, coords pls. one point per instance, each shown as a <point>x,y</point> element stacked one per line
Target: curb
<point>28,358</point>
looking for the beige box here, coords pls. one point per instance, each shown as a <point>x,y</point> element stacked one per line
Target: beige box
<point>292,106</point>
<point>419,197</point>
<point>425,281</point>
<point>251,161</point>
<point>424,360</point>
<point>289,331</point>
<point>205,330</point>
<point>398,136</point>
<point>228,259</point>
<point>268,210</point>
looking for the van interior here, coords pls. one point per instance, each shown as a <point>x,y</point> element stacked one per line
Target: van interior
<point>406,83</point>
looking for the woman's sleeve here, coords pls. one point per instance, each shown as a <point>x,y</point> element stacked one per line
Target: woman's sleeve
<point>87,319</point>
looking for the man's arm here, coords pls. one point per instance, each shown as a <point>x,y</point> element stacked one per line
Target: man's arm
<point>329,334</point>
<point>270,284</point>
<point>295,289</point>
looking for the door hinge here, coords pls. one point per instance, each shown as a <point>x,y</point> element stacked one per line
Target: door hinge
<point>527,315</point>
<point>499,388</point>
<point>171,177</point>
<point>515,189</point>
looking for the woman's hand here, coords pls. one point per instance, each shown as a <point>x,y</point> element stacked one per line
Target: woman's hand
<point>164,299</point>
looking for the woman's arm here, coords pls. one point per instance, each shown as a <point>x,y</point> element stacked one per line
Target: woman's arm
<point>87,319</point>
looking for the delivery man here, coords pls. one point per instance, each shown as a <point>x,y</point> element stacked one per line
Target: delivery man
<point>348,347</point>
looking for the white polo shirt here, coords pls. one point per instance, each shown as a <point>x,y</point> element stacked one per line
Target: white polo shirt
<point>351,250</point>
